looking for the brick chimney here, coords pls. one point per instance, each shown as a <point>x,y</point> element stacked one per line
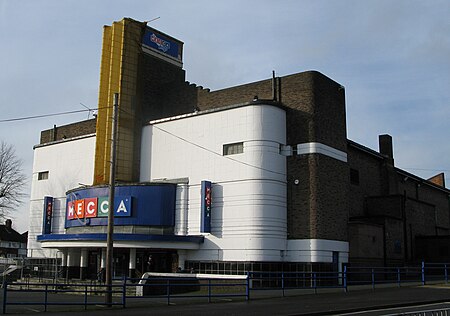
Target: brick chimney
<point>390,183</point>
<point>385,146</point>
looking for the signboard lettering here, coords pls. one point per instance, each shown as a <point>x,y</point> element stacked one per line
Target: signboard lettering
<point>48,212</point>
<point>165,45</point>
<point>98,207</point>
<point>205,226</point>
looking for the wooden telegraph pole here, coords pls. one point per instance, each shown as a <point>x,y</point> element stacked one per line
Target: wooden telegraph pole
<point>112,186</point>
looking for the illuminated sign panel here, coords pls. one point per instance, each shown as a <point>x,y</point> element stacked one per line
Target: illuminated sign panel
<point>165,45</point>
<point>90,207</point>
<point>48,212</point>
<point>98,207</point>
<point>206,207</point>
<point>143,205</point>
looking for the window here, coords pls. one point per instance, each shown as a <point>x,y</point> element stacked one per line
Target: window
<point>354,176</point>
<point>43,175</point>
<point>232,149</point>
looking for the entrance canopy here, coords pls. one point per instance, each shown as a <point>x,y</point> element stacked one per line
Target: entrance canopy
<point>120,240</point>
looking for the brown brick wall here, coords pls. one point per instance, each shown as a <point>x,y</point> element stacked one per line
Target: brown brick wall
<point>163,91</point>
<point>318,205</point>
<point>420,221</point>
<point>433,249</point>
<point>68,131</point>
<point>413,189</point>
<point>366,244</point>
<point>416,208</point>
<point>438,180</point>
<point>394,241</point>
<point>370,180</point>
<point>390,206</point>
<point>301,212</point>
<point>315,106</point>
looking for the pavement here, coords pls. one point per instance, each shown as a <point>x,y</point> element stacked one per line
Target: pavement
<point>328,302</point>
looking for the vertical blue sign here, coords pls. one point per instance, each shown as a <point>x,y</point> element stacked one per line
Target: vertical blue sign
<point>48,211</point>
<point>205,225</point>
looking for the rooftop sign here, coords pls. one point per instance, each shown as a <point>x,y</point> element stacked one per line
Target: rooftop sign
<point>166,46</point>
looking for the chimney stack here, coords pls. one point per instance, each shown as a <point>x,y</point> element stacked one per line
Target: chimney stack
<point>385,146</point>
<point>8,224</point>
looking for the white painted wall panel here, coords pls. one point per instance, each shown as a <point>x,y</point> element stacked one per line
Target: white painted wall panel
<point>248,193</point>
<point>249,189</point>
<point>69,164</point>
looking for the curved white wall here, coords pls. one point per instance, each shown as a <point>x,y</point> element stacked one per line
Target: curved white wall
<point>248,192</point>
<point>249,189</point>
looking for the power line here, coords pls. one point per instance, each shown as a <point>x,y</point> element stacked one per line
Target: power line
<point>423,169</point>
<point>183,139</point>
<point>40,116</point>
<point>46,115</point>
<point>216,153</point>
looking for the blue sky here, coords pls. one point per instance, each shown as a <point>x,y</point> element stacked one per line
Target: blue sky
<point>393,57</point>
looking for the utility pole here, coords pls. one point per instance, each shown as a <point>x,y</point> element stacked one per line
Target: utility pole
<point>112,187</point>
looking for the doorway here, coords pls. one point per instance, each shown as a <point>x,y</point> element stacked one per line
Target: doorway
<point>155,260</point>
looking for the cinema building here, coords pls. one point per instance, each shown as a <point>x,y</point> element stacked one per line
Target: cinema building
<point>257,177</point>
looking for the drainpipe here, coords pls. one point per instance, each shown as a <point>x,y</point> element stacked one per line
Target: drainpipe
<point>54,136</point>
<point>274,86</point>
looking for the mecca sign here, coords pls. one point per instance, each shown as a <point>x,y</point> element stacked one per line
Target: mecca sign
<point>98,207</point>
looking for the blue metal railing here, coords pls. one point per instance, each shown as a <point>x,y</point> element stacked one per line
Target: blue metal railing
<point>170,288</point>
<point>262,281</point>
<point>81,291</point>
<point>350,276</point>
<point>384,275</point>
<point>90,294</point>
<point>188,287</point>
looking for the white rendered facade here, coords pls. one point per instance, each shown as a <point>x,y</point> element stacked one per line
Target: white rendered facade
<point>249,199</point>
<point>69,164</point>
<point>249,189</point>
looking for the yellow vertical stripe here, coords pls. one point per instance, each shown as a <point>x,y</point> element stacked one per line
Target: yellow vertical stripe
<point>118,73</point>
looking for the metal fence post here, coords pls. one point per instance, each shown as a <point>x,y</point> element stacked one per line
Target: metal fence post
<point>168,292</point>
<point>423,273</point>
<point>373,279</point>
<point>21,270</point>
<point>124,292</point>
<point>315,283</point>
<point>282,282</point>
<point>247,288</point>
<point>209,290</point>
<point>345,279</point>
<point>446,273</point>
<point>85,296</point>
<point>46,297</point>
<point>5,291</point>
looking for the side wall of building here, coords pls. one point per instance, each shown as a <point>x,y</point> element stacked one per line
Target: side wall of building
<point>315,110</point>
<point>69,165</point>
<point>248,216</point>
<point>405,206</point>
